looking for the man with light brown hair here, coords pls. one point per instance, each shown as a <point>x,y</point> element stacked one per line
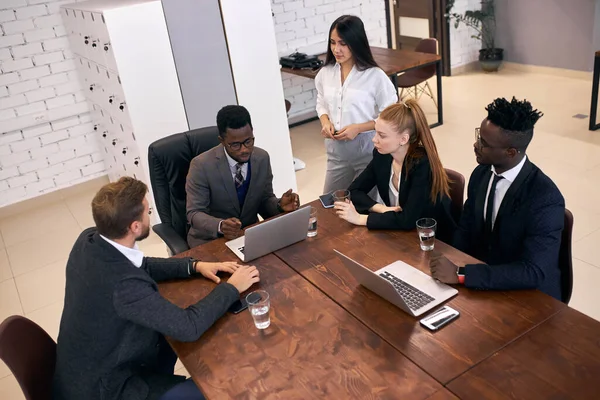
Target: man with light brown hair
<point>111,344</point>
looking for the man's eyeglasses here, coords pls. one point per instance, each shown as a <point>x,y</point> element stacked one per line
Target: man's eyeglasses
<point>238,145</point>
<point>481,144</point>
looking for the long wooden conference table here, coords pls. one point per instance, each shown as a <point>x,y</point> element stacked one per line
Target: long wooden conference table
<point>333,339</point>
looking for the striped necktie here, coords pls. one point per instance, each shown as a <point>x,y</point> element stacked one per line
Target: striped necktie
<point>239,178</point>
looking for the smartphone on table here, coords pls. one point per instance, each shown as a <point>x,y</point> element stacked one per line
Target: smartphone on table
<point>238,306</point>
<point>440,318</point>
<point>327,200</point>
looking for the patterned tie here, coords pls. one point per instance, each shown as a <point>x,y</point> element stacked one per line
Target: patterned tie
<point>239,178</point>
<point>489,225</point>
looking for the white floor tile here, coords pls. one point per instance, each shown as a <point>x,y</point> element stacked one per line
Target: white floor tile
<point>10,390</point>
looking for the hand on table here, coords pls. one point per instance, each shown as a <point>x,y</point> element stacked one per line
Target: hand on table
<point>380,209</point>
<point>347,211</point>
<point>209,269</point>
<point>443,269</point>
<point>244,277</point>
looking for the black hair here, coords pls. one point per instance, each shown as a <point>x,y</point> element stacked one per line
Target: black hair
<point>232,117</point>
<point>515,118</point>
<point>352,31</point>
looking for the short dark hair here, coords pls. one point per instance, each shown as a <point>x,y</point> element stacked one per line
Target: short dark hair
<point>117,205</point>
<point>516,119</point>
<point>232,117</point>
<point>352,31</point>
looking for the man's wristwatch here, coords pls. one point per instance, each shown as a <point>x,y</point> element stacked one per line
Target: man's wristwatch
<point>192,266</point>
<point>460,272</point>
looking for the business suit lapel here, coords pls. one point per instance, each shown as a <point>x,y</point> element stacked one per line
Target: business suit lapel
<point>384,168</point>
<point>480,199</point>
<point>223,167</point>
<point>510,198</point>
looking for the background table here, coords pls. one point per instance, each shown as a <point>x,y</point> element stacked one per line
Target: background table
<point>313,349</point>
<point>489,319</point>
<point>393,62</point>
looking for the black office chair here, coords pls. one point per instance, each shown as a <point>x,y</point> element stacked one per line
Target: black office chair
<point>457,193</point>
<point>565,259</point>
<point>169,161</point>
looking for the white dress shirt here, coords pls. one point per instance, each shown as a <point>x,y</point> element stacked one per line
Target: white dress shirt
<point>360,99</point>
<point>394,191</point>
<point>501,187</point>
<point>232,166</point>
<point>135,255</point>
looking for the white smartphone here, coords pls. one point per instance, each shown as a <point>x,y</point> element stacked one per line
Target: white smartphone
<point>327,200</point>
<point>440,318</point>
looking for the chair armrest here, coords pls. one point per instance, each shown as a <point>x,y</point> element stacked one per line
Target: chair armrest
<point>172,239</point>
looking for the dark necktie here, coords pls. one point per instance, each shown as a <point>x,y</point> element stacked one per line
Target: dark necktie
<point>490,205</point>
<point>239,178</point>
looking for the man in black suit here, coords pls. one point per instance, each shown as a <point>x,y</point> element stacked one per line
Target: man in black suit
<point>514,214</point>
<point>231,183</point>
<point>111,344</point>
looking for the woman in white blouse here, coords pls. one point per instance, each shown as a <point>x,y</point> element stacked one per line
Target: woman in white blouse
<point>351,91</point>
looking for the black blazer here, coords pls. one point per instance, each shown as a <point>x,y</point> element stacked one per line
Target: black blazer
<point>113,319</point>
<point>414,197</point>
<point>522,252</point>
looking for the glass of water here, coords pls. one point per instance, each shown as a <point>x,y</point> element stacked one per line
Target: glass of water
<point>426,228</point>
<point>259,305</point>
<point>312,223</point>
<point>341,195</point>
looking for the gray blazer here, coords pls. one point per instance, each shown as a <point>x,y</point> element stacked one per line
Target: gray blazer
<point>212,197</point>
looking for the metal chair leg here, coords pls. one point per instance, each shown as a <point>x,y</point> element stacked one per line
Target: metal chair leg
<point>431,94</point>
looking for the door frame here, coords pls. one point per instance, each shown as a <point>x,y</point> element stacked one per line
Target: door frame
<point>441,28</point>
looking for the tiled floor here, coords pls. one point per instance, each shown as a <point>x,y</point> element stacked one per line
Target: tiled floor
<point>35,245</point>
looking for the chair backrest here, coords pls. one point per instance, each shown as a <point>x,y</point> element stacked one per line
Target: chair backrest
<point>428,45</point>
<point>30,354</point>
<point>565,259</point>
<point>457,193</point>
<point>169,160</point>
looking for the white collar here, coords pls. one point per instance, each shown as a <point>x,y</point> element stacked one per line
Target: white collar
<point>232,163</point>
<point>135,255</point>
<point>512,173</point>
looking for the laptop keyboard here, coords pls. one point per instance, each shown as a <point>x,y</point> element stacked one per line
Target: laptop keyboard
<point>413,297</point>
<point>241,249</point>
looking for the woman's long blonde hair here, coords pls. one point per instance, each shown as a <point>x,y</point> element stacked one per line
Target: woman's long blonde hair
<point>408,116</point>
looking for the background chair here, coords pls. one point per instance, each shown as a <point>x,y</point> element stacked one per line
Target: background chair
<point>169,160</point>
<point>457,193</point>
<point>565,259</point>
<point>413,79</point>
<point>30,354</point>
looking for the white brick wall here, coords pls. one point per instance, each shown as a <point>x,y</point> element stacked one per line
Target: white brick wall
<point>300,23</point>
<point>463,49</point>
<point>46,139</point>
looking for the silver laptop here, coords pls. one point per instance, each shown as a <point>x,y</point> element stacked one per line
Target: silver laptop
<point>402,285</point>
<point>271,235</point>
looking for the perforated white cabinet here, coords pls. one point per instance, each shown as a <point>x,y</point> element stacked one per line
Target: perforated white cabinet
<point>151,69</point>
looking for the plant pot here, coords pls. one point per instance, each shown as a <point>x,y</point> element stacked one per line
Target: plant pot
<point>491,59</point>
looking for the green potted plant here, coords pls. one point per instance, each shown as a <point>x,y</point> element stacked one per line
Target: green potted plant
<point>484,23</point>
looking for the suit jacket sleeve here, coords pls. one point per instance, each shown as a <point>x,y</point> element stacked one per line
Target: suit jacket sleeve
<point>540,251</point>
<point>418,200</point>
<point>268,204</point>
<point>162,269</point>
<point>467,219</point>
<point>198,201</point>
<point>138,300</point>
<point>360,188</point>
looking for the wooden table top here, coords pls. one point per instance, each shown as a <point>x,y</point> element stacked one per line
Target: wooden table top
<point>313,348</point>
<point>559,359</point>
<point>391,61</point>
<point>489,319</point>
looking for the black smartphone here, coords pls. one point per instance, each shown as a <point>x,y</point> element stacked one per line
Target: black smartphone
<point>238,306</point>
<point>327,200</point>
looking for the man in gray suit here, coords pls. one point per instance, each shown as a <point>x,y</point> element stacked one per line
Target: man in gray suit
<point>230,184</point>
